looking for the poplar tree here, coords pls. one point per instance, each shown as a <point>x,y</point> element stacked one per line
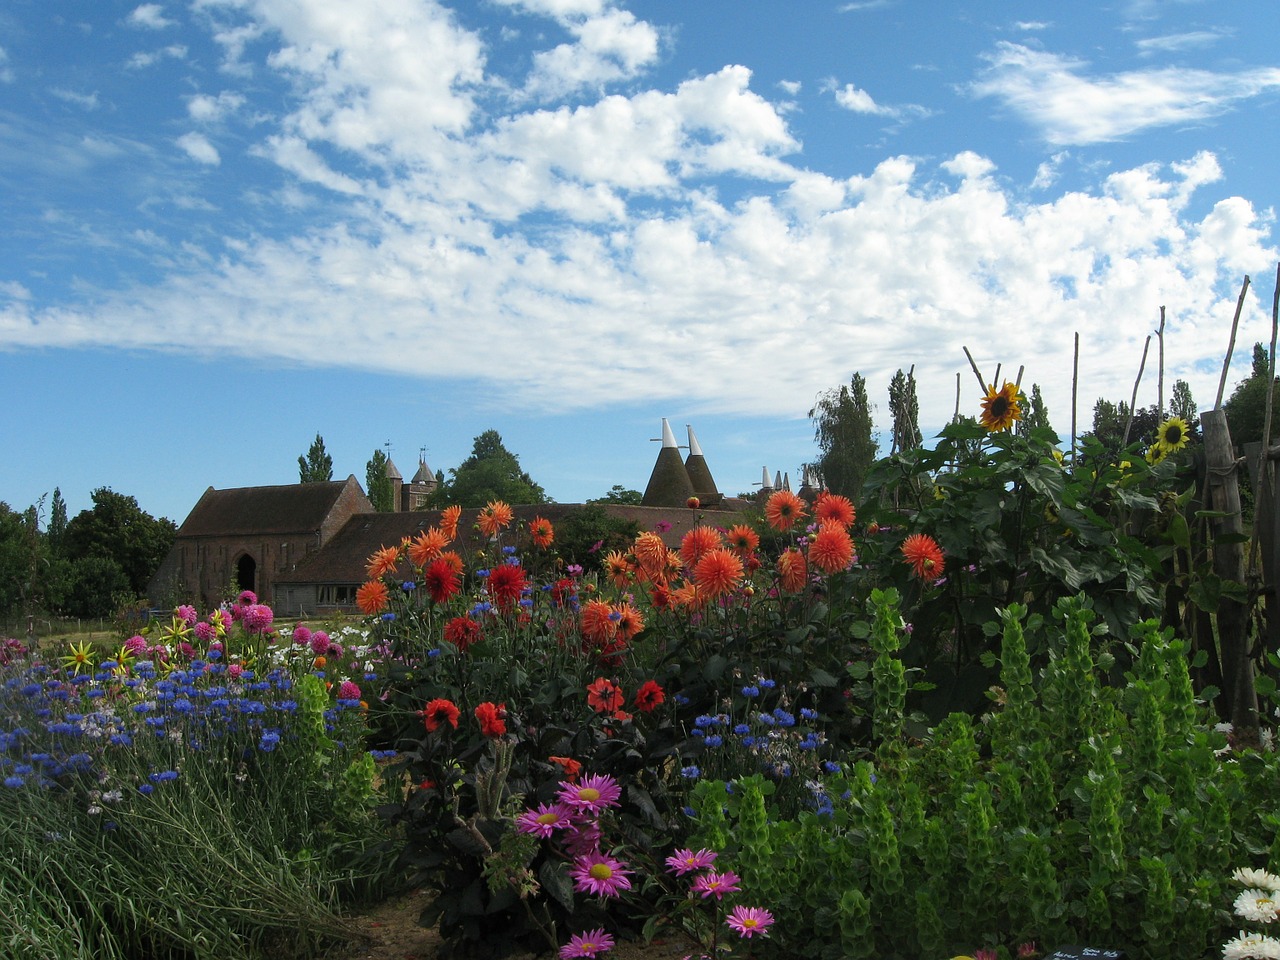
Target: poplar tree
<point>378,484</point>
<point>316,466</point>
<point>842,429</point>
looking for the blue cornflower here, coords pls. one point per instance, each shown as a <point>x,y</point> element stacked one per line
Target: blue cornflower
<point>287,706</point>
<point>808,714</point>
<point>482,572</point>
<point>408,586</point>
<point>163,776</point>
<point>705,720</point>
<point>784,719</point>
<point>23,768</point>
<point>215,654</point>
<point>680,699</point>
<point>268,742</point>
<point>383,754</point>
<point>768,684</point>
<point>121,740</point>
<point>809,743</point>
<point>742,729</point>
<point>748,741</point>
<point>433,653</point>
<point>714,740</point>
<point>146,789</point>
<point>767,719</point>
<point>508,551</point>
<point>143,707</point>
<point>388,617</point>
<point>751,691</point>
<point>14,783</point>
<point>830,766</point>
<point>690,772</point>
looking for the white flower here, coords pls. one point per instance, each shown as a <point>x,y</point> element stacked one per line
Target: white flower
<point>1257,906</point>
<point>1257,879</point>
<point>1223,727</point>
<point>1251,945</point>
<point>1268,739</point>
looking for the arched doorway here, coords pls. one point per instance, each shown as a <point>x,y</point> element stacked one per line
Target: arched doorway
<point>247,573</point>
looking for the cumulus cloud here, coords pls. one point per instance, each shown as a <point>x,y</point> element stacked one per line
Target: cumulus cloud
<point>88,101</point>
<point>609,46</point>
<point>143,59</point>
<point>1056,95</point>
<point>204,108</point>
<point>149,16</point>
<point>198,148</point>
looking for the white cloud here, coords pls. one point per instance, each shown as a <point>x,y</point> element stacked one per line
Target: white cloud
<point>1031,26</point>
<point>142,60</point>
<point>14,290</point>
<point>859,101</point>
<point>88,101</point>
<point>206,109</point>
<point>1055,95</point>
<point>1178,42</point>
<point>1047,172</point>
<point>149,16</point>
<point>198,148</point>
<point>608,47</point>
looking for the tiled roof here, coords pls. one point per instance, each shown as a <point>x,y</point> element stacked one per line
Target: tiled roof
<point>288,508</point>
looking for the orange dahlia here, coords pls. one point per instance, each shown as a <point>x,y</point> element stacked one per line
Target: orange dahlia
<point>542,532</point>
<point>598,623</point>
<point>792,570</point>
<point>831,548</point>
<point>922,553</point>
<point>783,509</point>
<point>618,568</point>
<point>697,542</point>
<point>449,520</point>
<point>1000,408</point>
<point>427,546</point>
<point>686,595</point>
<point>372,597</point>
<point>651,554</point>
<point>383,561</point>
<point>630,622</point>
<point>455,561</point>
<point>494,516</point>
<point>718,571</point>
<point>743,539</point>
<point>833,507</point>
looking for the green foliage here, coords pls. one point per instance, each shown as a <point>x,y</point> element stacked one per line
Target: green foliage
<point>621,495</point>
<point>117,529</point>
<point>843,431</point>
<point>378,485</point>
<point>317,465</point>
<point>905,409</point>
<point>492,472</point>
<point>98,585</point>
<point>585,536</point>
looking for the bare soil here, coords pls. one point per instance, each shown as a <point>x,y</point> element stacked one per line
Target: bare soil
<point>390,931</point>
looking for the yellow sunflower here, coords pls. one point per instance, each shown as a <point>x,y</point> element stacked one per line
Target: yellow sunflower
<point>1000,408</point>
<point>1172,435</point>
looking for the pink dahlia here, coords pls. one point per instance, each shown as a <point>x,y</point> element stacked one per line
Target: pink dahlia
<point>188,614</point>
<point>319,643</point>
<point>593,793</point>
<point>136,645</point>
<point>600,874</point>
<point>257,618</point>
<point>302,635</point>
<point>348,690</point>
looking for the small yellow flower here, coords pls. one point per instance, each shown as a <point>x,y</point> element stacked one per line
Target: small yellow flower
<point>80,657</point>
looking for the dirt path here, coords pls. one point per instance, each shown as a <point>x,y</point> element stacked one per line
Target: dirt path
<point>390,931</point>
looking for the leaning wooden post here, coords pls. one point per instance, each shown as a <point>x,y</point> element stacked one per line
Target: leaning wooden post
<point>1222,496</point>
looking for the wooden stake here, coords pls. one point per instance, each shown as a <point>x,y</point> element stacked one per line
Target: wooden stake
<point>982,384</point>
<point>1075,386</point>
<point>956,415</point>
<point>1226,361</point>
<point>1160,378</point>
<point>1133,401</point>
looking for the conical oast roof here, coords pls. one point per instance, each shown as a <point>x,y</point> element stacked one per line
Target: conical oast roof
<point>669,484</point>
<point>704,486</point>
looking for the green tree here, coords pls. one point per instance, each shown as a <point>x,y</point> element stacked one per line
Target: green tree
<point>492,472</point>
<point>117,529</point>
<point>378,485</point>
<point>842,429</point>
<point>57,522</point>
<point>97,587</point>
<point>15,561</point>
<point>1036,415</point>
<point>620,494</point>
<point>1182,405</point>
<point>1247,407</point>
<point>316,466</point>
<point>905,408</point>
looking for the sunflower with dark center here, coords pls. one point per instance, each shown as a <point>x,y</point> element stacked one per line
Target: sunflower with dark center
<point>1172,434</point>
<point>1000,408</point>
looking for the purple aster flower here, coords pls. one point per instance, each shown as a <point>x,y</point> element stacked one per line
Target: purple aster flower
<point>545,820</point>
<point>594,793</point>
<point>601,875</point>
<point>714,884</point>
<point>748,921</point>
<point>589,943</point>
<point>686,861</point>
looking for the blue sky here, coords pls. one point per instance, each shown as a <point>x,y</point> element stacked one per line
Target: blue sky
<point>231,224</point>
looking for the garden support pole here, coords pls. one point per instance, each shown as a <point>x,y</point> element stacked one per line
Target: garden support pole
<point>1222,495</point>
